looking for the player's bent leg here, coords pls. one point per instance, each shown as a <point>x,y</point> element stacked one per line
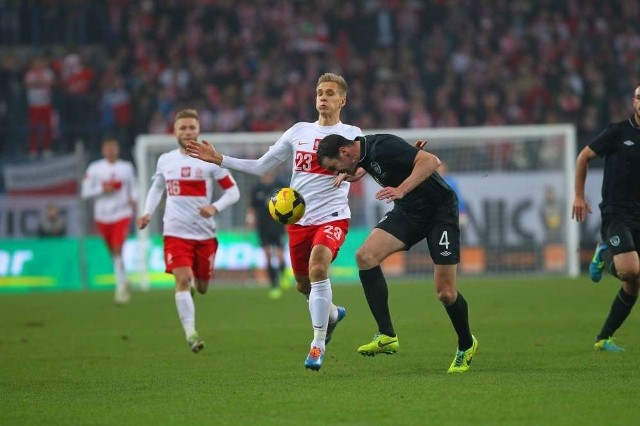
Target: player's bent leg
<point>202,286</point>
<point>462,360</point>
<point>381,344</point>
<point>342,312</point>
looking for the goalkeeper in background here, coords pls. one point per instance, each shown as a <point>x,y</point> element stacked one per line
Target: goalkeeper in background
<point>270,233</point>
<point>619,145</point>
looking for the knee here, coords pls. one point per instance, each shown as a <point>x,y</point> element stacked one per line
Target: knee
<point>630,275</point>
<point>202,286</point>
<point>447,295</point>
<point>183,283</point>
<point>318,271</point>
<point>303,287</point>
<point>364,259</point>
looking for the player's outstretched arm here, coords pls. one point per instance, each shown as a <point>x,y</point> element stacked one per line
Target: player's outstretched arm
<point>203,150</point>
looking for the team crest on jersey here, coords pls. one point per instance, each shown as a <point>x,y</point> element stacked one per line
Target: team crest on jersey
<point>615,241</point>
<point>185,172</point>
<point>315,144</point>
<point>376,167</point>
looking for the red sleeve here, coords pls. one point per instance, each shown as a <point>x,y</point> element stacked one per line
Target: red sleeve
<point>226,182</point>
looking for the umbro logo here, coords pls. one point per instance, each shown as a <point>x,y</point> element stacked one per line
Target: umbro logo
<point>628,143</point>
<point>445,253</point>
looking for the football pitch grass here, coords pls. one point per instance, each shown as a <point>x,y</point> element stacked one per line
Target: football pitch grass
<point>76,359</point>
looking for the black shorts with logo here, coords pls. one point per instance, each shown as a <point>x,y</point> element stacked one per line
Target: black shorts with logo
<point>440,227</point>
<point>621,233</point>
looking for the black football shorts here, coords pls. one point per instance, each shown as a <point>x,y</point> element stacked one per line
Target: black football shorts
<point>439,227</point>
<point>620,234</point>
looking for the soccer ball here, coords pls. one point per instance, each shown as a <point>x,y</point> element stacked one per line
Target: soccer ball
<point>286,206</point>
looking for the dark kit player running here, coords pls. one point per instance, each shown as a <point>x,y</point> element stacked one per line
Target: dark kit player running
<point>619,145</point>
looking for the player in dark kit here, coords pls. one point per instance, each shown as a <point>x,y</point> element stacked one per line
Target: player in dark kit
<point>619,144</point>
<point>270,232</point>
<point>425,208</point>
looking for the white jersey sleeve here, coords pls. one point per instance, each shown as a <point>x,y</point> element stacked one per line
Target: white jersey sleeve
<point>277,154</point>
<point>228,184</point>
<point>156,190</point>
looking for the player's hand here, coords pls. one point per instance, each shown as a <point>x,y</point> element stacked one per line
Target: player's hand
<point>580,209</point>
<point>344,177</point>
<point>389,194</point>
<point>203,150</point>
<point>340,177</point>
<point>143,221</point>
<point>207,211</point>
<point>420,144</point>
<point>108,187</point>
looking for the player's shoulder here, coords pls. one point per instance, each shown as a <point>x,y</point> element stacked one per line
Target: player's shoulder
<point>620,125</point>
<point>300,126</point>
<point>96,163</point>
<point>168,155</point>
<point>125,164</point>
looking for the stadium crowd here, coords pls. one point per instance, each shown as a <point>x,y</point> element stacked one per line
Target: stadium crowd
<point>123,67</point>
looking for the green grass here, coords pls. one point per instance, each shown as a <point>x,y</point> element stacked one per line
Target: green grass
<point>76,359</point>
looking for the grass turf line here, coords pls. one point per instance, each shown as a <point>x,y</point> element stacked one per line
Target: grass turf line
<point>75,358</point>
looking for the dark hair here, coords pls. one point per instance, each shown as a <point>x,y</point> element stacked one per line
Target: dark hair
<point>330,145</point>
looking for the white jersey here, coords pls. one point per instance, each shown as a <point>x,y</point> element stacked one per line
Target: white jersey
<point>324,203</point>
<point>116,205</point>
<point>189,185</point>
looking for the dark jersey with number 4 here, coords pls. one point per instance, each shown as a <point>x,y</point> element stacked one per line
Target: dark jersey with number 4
<point>389,161</point>
<point>619,144</point>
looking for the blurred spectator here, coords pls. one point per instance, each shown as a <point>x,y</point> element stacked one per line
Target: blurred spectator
<point>10,104</point>
<point>551,212</point>
<point>77,81</point>
<point>52,223</point>
<point>39,81</point>
<point>411,63</point>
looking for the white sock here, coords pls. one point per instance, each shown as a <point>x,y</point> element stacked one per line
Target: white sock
<point>319,307</point>
<point>186,312</point>
<point>120,273</point>
<point>333,313</point>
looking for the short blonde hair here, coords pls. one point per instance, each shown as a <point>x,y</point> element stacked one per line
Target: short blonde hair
<point>187,113</point>
<point>334,78</point>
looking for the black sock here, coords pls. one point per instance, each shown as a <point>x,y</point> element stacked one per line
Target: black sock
<point>458,312</point>
<point>273,275</point>
<point>377,294</point>
<point>620,309</point>
<point>609,265</point>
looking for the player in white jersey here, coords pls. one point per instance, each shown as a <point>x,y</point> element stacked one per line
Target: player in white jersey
<point>189,230</point>
<point>315,239</point>
<point>111,183</point>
